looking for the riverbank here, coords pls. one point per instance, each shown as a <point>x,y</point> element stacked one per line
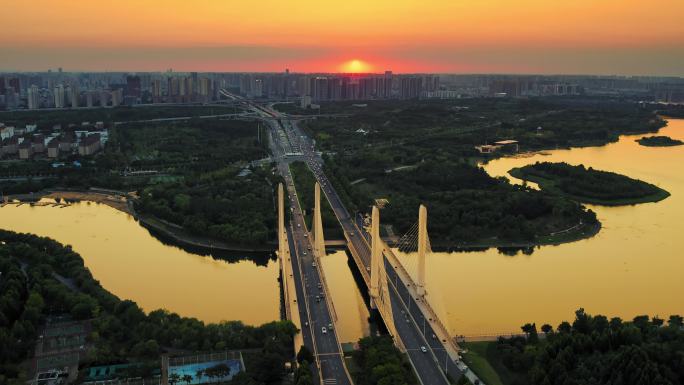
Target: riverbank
<point>178,235</point>
<point>572,234</point>
<point>115,199</point>
<point>124,202</point>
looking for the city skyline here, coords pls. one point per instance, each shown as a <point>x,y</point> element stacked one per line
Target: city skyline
<point>529,37</point>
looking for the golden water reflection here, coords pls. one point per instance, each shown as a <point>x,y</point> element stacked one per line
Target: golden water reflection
<point>352,312</point>
<point>132,264</point>
<point>633,266</point>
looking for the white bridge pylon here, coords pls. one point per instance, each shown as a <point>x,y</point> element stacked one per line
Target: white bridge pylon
<point>379,290</point>
<point>423,248</point>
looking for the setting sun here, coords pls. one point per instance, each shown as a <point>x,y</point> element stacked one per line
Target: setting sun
<point>356,66</point>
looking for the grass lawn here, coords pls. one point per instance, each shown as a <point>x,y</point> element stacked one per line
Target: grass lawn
<point>482,358</point>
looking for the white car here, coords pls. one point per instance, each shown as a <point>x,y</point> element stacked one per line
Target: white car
<point>423,349</point>
<point>324,330</point>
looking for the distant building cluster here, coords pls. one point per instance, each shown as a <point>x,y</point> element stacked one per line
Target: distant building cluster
<point>88,90</point>
<point>58,89</point>
<point>658,89</point>
<point>28,143</point>
<point>331,87</point>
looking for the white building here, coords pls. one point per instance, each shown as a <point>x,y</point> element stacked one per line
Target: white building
<point>6,132</point>
<point>33,97</point>
<point>60,96</point>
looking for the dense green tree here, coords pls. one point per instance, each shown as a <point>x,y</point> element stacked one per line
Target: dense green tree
<point>304,354</point>
<point>121,331</point>
<point>596,351</point>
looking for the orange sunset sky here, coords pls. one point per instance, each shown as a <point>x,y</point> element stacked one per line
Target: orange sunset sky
<point>460,36</point>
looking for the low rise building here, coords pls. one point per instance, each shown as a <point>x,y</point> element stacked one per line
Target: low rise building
<point>66,142</point>
<point>53,148</point>
<point>89,145</point>
<point>26,149</point>
<point>10,146</point>
<point>38,144</point>
<point>6,132</point>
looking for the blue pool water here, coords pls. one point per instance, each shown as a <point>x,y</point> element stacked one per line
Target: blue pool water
<point>192,369</point>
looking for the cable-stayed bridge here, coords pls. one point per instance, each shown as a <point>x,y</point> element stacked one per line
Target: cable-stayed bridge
<point>401,300</point>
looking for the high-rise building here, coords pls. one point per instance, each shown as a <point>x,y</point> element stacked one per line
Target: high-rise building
<point>133,86</point>
<point>156,91</point>
<point>104,97</point>
<point>258,88</point>
<point>205,89</point>
<point>33,97</point>
<point>173,89</point>
<point>117,97</point>
<point>387,86</point>
<point>75,96</point>
<point>411,87</point>
<point>194,84</point>
<point>60,96</point>
<point>15,84</point>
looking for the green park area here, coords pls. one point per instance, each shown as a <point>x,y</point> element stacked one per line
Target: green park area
<point>425,152</point>
<point>592,349</point>
<point>588,185</point>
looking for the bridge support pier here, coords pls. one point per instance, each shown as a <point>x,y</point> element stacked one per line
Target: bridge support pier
<point>422,248</point>
<point>319,242</point>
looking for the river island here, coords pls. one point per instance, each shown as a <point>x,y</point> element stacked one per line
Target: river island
<point>659,141</point>
<point>588,185</point>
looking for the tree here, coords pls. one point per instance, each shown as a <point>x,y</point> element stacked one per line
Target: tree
<point>199,374</point>
<point>564,327</point>
<point>187,378</point>
<point>676,320</point>
<point>546,328</point>
<point>303,374</point>
<point>174,378</point>
<point>304,354</point>
<point>530,330</point>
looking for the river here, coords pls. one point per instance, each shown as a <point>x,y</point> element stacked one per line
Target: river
<point>132,264</point>
<point>632,266</point>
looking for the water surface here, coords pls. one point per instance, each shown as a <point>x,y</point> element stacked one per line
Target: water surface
<point>132,264</point>
<point>633,266</point>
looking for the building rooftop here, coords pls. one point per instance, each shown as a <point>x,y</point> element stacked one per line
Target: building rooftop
<point>504,142</point>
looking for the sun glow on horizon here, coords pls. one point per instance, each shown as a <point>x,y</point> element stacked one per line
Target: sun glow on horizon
<point>355,66</point>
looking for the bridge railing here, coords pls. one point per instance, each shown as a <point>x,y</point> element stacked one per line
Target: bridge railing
<point>394,260</point>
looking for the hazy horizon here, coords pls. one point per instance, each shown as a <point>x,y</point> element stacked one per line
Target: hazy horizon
<point>584,37</point>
